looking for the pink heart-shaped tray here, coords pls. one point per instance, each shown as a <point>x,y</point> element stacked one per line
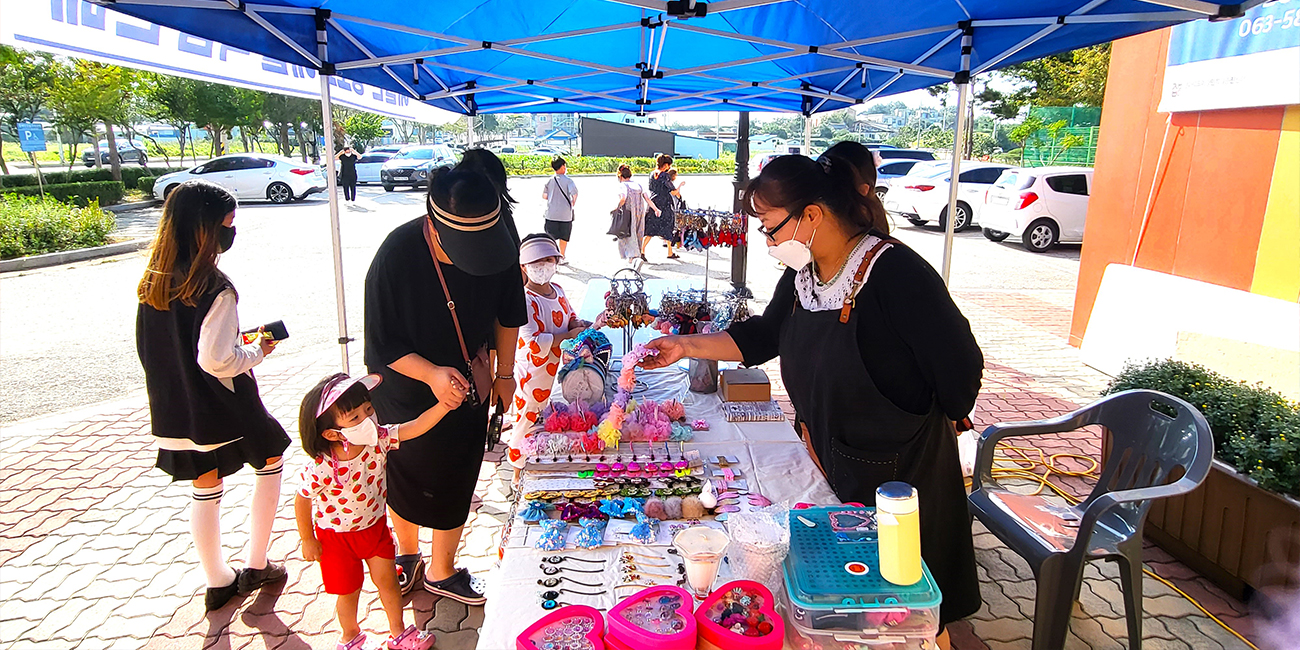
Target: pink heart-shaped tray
<point>758,605</point>
<point>577,627</point>
<point>656,618</point>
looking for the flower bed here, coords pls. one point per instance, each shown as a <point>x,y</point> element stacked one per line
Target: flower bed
<point>32,226</point>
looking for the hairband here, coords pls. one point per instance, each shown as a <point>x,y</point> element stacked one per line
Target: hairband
<point>555,582</point>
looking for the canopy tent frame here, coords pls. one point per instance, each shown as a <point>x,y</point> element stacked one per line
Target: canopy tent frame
<point>728,84</point>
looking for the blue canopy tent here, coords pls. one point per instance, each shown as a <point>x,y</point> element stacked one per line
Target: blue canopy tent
<point>649,56</point>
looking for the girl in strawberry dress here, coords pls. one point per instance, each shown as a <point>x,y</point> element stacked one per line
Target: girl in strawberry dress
<point>341,504</point>
<point>551,320</point>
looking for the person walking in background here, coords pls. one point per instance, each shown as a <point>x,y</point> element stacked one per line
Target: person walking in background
<point>348,172</point>
<point>664,223</point>
<point>207,417</point>
<point>561,196</point>
<point>638,201</point>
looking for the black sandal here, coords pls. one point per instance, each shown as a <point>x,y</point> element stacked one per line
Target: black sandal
<point>410,571</point>
<point>674,256</point>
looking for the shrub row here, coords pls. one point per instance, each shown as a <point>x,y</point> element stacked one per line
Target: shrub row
<point>82,194</point>
<point>525,164</point>
<point>1256,430</point>
<point>32,226</point>
<point>145,184</point>
<point>131,174</point>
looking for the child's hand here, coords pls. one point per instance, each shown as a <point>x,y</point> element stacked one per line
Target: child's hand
<point>311,549</point>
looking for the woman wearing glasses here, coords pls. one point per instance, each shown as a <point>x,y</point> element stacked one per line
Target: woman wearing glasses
<point>850,293</point>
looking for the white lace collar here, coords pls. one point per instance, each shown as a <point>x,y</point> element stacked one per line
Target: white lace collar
<point>815,296</point>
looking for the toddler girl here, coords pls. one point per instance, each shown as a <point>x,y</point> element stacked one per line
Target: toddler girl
<point>340,506</point>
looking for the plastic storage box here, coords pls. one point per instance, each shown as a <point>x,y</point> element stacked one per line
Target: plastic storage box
<point>835,598</point>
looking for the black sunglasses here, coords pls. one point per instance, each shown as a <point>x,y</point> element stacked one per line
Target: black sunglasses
<point>770,233</point>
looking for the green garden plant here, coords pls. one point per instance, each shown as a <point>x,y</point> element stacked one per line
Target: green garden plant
<point>1256,430</point>
<point>82,194</point>
<point>32,226</point>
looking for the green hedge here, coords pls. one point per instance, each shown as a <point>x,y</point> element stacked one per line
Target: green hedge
<point>145,184</point>
<point>100,192</point>
<point>31,226</point>
<point>131,174</point>
<point>525,164</point>
<point>1256,430</point>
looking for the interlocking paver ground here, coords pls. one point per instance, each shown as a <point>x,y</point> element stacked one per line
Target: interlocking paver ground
<point>95,551</point>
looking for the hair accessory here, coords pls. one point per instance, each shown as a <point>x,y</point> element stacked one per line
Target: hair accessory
<point>646,529</point>
<point>673,507</point>
<point>555,582</point>
<point>592,534</point>
<point>556,559</point>
<point>536,511</point>
<point>554,535</point>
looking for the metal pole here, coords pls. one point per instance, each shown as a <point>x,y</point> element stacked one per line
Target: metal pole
<point>469,131</point>
<point>962,79</point>
<point>807,135</point>
<point>740,254</point>
<point>331,182</point>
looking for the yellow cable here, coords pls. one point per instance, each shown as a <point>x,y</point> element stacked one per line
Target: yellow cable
<point>1024,465</point>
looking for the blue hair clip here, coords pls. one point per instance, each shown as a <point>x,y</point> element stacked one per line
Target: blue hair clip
<point>592,534</point>
<point>554,534</point>
<point>633,507</point>
<point>646,529</point>
<point>536,511</point>
<point>612,507</point>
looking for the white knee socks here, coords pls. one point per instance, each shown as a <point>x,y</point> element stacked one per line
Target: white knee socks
<point>266,500</point>
<point>205,528</point>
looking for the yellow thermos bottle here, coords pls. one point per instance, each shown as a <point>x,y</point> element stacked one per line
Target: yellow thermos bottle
<point>898,523</point>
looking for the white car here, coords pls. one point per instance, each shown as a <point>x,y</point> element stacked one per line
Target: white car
<point>922,196</point>
<point>250,176</point>
<point>1043,206</point>
<point>413,164</point>
<point>371,162</point>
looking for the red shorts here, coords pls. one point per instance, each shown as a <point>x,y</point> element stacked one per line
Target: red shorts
<point>342,555</point>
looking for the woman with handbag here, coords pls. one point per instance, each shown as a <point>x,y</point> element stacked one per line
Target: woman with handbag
<point>876,358</point>
<point>629,216</point>
<point>439,289</point>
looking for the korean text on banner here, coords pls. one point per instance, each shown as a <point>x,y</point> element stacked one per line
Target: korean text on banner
<point>80,29</point>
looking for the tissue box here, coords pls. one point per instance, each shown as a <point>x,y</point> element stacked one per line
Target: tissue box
<point>745,385</point>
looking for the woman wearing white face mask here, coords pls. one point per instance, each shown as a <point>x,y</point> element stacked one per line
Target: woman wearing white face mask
<point>852,294</point>
<point>537,355</point>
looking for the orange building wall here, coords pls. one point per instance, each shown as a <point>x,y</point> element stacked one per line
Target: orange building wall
<point>1208,200</point>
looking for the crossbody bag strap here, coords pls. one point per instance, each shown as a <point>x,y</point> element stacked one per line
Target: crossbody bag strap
<point>560,187</point>
<point>451,304</point>
<point>859,278</point>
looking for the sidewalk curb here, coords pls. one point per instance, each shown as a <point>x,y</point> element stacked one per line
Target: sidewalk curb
<point>65,257</point>
<point>126,207</point>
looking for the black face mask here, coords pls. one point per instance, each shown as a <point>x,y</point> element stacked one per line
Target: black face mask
<point>225,238</point>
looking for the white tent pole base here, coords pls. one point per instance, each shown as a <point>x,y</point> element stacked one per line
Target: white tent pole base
<point>958,140</point>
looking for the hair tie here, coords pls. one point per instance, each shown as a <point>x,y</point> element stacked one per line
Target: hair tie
<point>825,162</point>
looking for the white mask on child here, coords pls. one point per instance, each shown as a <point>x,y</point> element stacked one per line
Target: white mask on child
<point>540,272</point>
<point>366,433</point>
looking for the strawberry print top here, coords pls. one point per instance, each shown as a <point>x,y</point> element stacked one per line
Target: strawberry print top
<point>356,498</point>
<point>537,361</point>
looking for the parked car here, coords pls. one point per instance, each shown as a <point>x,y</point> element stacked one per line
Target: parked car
<point>1043,206</point>
<point>127,151</point>
<point>548,150</point>
<point>251,176</point>
<point>891,169</point>
<point>413,164</point>
<point>891,153</point>
<point>370,163</point>
<point>922,197</point>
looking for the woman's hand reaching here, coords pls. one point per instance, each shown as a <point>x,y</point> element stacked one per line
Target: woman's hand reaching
<point>448,385</point>
<point>670,350</point>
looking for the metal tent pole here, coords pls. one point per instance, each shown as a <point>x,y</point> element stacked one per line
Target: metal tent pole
<point>331,182</point>
<point>962,79</point>
<point>807,135</point>
<point>740,254</point>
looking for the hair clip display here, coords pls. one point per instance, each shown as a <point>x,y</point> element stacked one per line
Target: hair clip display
<point>626,303</point>
<point>560,559</point>
<point>646,529</point>
<point>554,534</point>
<point>555,582</point>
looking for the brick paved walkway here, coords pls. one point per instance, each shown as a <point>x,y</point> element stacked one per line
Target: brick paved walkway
<point>95,551</point>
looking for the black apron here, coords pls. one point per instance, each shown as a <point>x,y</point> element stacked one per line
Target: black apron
<point>862,440</point>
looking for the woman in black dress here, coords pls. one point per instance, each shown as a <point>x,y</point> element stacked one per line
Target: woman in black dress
<point>664,224</point>
<point>916,367</point>
<point>348,173</point>
<point>412,341</point>
<point>207,417</point>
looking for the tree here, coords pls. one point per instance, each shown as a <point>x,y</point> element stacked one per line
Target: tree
<point>287,113</point>
<point>219,109</point>
<point>170,100</point>
<point>87,92</point>
<point>362,128</point>
<point>25,80</point>
<point>886,108</point>
<point>1076,78</point>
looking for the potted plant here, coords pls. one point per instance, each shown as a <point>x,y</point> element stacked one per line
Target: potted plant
<point>1229,529</point>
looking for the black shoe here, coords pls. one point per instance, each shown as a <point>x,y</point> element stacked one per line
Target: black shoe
<point>217,597</point>
<point>251,580</point>
<point>410,572</point>
<point>461,587</point>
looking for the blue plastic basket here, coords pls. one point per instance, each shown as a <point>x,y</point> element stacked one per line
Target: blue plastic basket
<point>817,574</point>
